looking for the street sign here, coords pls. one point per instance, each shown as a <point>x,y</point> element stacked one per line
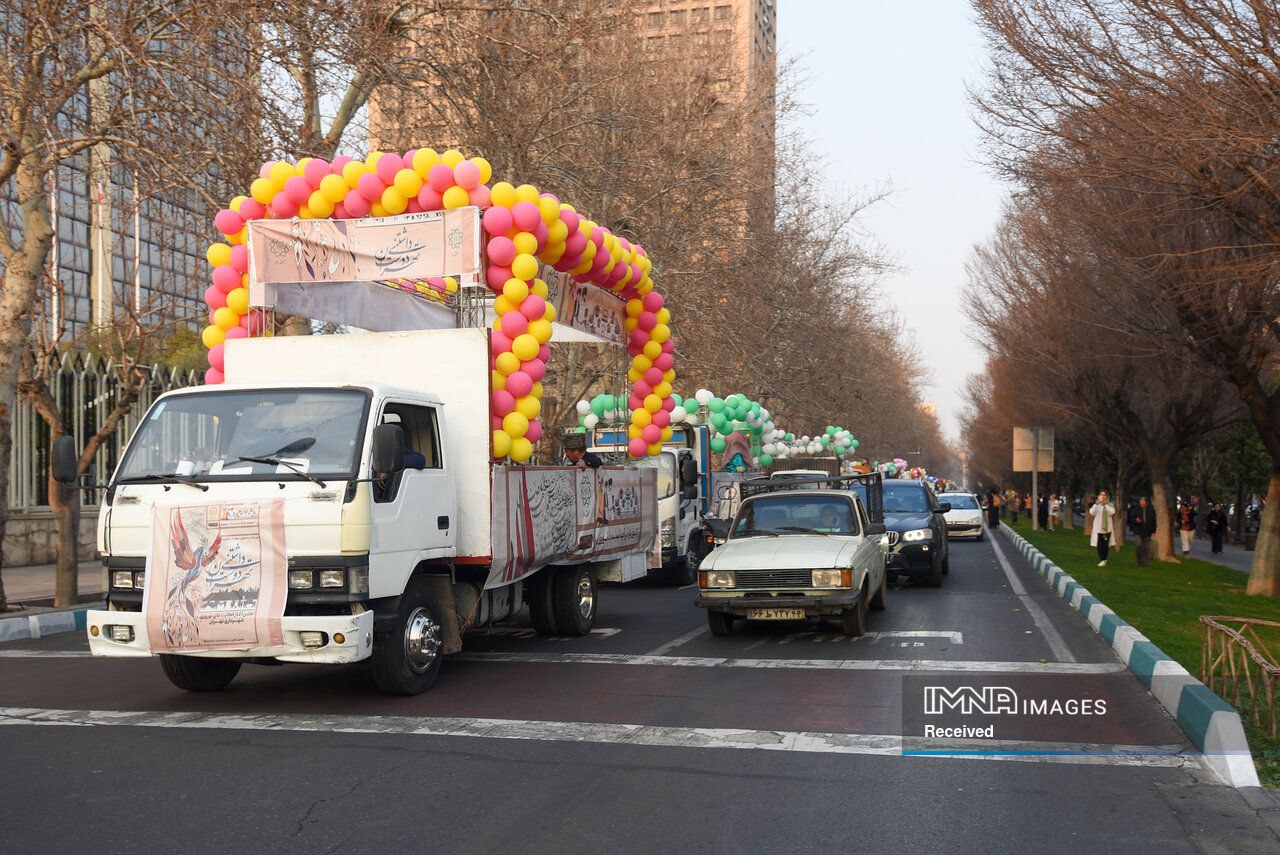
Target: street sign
<point>1029,443</point>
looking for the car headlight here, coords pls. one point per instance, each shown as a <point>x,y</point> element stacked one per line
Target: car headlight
<point>831,578</point>
<point>332,578</point>
<point>668,535</point>
<point>122,579</point>
<point>918,534</point>
<point>718,579</point>
<point>300,580</point>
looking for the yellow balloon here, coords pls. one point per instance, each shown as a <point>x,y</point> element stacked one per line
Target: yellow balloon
<point>663,315</point>
<point>633,432</point>
<point>652,403</point>
<point>501,305</point>
<point>224,319</point>
<point>541,330</point>
<point>557,231</point>
<point>507,362</point>
<point>655,449</point>
<point>371,161</point>
<point>652,349</point>
<point>320,204</point>
<point>645,286</point>
<point>240,237</point>
<point>351,173</point>
<point>394,201</point>
<point>641,363</point>
<point>236,202</point>
<point>552,253</point>
<point>486,171</point>
<point>302,164</point>
<point>501,444</point>
<point>377,209</point>
<point>503,194</point>
<point>527,193</point>
<point>455,197</point>
<point>452,157</point>
<point>536,392</point>
<point>641,417</point>
<point>515,423</point>
<point>550,210</point>
<point>633,375</point>
<point>304,213</point>
<point>497,381</point>
<point>521,450</point>
<point>662,390</point>
<point>524,267</point>
<point>525,347</point>
<point>497,324</point>
<point>529,407</point>
<point>423,160</point>
<point>669,375</point>
<point>262,189</point>
<point>213,336</point>
<point>238,301</point>
<point>525,243</point>
<point>408,182</point>
<point>334,188</point>
<point>550,313</point>
<point>278,174</point>
<point>515,290</point>
<point>630,323</point>
<point>218,254</point>
<point>666,434</point>
<point>660,333</point>
<point>540,288</point>
<point>451,285</point>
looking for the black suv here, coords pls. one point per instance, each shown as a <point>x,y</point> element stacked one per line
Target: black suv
<point>918,531</point>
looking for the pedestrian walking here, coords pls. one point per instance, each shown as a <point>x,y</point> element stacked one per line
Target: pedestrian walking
<point>1142,522</point>
<point>1216,523</point>
<point>1042,511</point>
<point>1055,511</point>
<point>993,510</point>
<point>1103,513</point>
<point>1015,505</point>
<point>1186,518</point>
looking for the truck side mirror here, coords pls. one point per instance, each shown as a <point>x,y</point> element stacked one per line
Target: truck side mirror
<point>63,461</point>
<point>688,471</point>
<point>388,449</point>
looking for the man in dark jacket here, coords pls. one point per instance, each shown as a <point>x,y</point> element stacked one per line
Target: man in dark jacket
<point>1216,523</point>
<point>575,451</point>
<point>1142,522</point>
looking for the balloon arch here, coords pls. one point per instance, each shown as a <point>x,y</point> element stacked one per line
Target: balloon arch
<point>525,227</point>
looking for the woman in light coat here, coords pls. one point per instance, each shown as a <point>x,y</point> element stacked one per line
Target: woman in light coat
<point>1103,515</point>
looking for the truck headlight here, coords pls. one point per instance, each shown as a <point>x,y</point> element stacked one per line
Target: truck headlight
<point>717,579</point>
<point>668,535</point>
<point>122,579</point>
<point>300,580</point>
<point>332,578</point>
<point>832,579</point>
<point>918,534</point>
<point>139,579</point>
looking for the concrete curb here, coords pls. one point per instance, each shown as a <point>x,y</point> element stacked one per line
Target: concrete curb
<point>40,624</point>
<point>1209,722</point>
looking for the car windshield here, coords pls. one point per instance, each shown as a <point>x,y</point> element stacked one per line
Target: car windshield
<point>792,514</point>
<point>905,499</point>
<point>960,501</point>
<point>203,435</point>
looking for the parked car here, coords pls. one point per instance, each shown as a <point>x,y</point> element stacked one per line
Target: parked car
<point>965,517</point>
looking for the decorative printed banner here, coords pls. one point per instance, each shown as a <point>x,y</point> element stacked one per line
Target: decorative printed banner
<point>547,515</point>
<point>586,308</point>
<point>216,576</point>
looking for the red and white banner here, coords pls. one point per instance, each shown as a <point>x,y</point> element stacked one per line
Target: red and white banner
<point>216,576</point>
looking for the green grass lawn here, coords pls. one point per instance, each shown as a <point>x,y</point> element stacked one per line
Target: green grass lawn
<point>1165,602</point>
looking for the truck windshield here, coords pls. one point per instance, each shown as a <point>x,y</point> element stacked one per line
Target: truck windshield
<point>204,435</point>
<point>791,514</point>
<point>666,465</point>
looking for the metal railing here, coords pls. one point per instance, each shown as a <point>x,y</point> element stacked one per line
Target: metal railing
<point>1237,664</point>
<point>85,389</point>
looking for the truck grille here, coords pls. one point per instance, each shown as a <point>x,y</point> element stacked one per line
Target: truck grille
<point>756,580</point>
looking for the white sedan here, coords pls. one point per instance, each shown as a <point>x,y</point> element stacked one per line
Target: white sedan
<point>965,517</point>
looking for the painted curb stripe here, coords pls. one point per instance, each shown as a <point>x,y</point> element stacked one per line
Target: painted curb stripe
<point>22,627</point>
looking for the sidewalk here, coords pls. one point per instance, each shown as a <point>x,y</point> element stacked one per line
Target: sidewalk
<point>24,584</point>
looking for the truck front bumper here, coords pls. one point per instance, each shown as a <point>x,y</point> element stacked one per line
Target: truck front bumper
<point>832,603</point>
<point>357,643</point>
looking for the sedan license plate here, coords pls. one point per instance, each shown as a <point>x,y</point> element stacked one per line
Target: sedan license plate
<point>775,614</point>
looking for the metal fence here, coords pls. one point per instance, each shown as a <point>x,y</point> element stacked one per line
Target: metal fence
<point>86,390</point>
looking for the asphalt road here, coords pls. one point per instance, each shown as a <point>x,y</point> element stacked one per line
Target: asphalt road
<point>649,735</point>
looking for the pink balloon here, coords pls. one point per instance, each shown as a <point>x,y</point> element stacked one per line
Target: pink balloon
<point>502,402</point>
<point>635,402</point>
<point>357,205</point>
<point>668,404</point>
<point>638,447</point>
<point>652,301</point>
<point>226,278</point>
<point>215,357</point>
<point>574,244</point>
<point>497,221</point>
<point>251,323</point>
<point>212,377</point>
<point>252,209</point>
<point>668,346</point>
<point>408,157</point>
<point>534,433</point>
<point>643,388</point>
<point>647,321</point>
<point>619,272</point>
<point>526,216</point>
<point>440,177</point>
<point>497,275</point>
<point>228,222</point>
<point>282,206</point>
<point>467,175</point>
<point>535,368</point>
<point>544,353</point>
<point>533,307</point>
<point>514,324</point>
<point>298,190</point>
<point>662,418</point>
<point>240,258</point>
<point>479,197</point>
<point>214,297</point>
<point>388,165</point>
<point>651,433</point>
<point>664,362</point>
<point>634,349</point>
<point>430,199</point>
<point>370,187</point>
<point>315,171</point>
<point>238,332</point>
<point>340,212</point>
<point>639,337</point>
<point>498,343</point>
<point>415,207</point>
<point>495,422</point>
<point>571,219</point>
<point>519,384</point>
<point>501,250</point>
<point>265,169</point>
<point>541,233</point>
<point>339,162</point>
<point>653,376</point>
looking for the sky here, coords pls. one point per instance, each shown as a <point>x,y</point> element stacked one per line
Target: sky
<point>886,92</point>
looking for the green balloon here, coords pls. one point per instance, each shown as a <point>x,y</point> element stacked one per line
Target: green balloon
<point>716,405</point>
<point>766,459</point>
<point>791,437</point>
<point>717,444</point>
<point>674,396</point>
<point>831,430</point>
<point>719,422</point>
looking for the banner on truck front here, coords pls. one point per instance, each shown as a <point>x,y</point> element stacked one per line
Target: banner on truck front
<point>585,308</point>
<point>559,515</point>
<point>216,576</point>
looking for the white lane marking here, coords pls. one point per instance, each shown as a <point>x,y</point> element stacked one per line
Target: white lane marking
<point>530,632</point>
<point>613,734</point>
<point>815,636</point>
<point>817,664</point>
<point>682,587</point>
<point>676,642</point>
<point>1056,643</point>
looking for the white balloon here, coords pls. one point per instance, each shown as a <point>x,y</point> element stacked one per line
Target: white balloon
<point>584,407</point>
<point>679,414</point>
<point>702,396</point>
<point>591,421</point>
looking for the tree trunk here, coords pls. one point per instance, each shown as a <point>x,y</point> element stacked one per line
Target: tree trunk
<point>1264,575</point>
<point>1162,501</point>
<point>1121,521</point>
<point>65,504</point>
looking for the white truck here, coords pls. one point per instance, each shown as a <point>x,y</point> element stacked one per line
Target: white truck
<point>397,533</point>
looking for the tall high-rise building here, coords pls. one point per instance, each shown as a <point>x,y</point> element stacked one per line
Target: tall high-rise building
<point>747,28</point>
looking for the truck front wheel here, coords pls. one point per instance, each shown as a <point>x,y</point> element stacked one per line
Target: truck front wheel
<point>573,600</point>
<point>406,659</point>
<point>198,674</point>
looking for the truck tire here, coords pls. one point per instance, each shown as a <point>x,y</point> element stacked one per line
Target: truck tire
<point>719,623</point>
<point>881,599</point>
<point>198,674</point>
<point>854,620</point>
<point>573,600</point>
<point>682,571</point>
<point>537,593</point>
<point>406,659</point>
